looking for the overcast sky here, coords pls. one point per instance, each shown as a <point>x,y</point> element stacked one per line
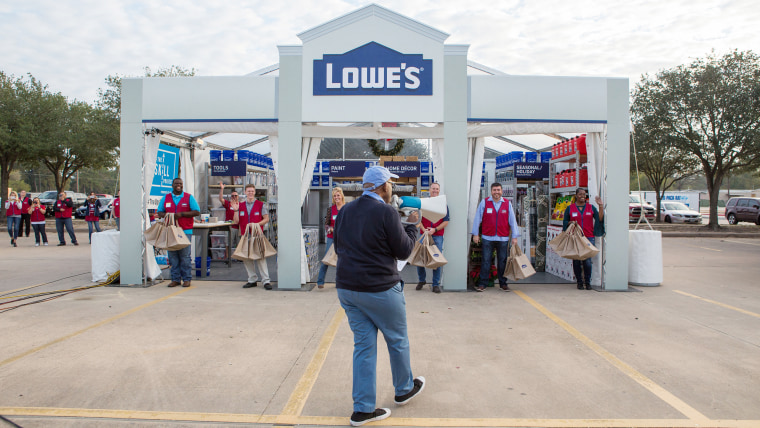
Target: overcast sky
<point>72,45</point>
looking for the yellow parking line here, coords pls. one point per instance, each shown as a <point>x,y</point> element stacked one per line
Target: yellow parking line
<point>300,394</point>
<point>642,380</point>
<point>77,333</point>
<point>705,248</point>
<point>338,421</point>
<point>734,308</point>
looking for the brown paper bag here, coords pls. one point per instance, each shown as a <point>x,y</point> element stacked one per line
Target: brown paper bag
<point>165,234</point>
<point>242,251</point>
<point>260,245</point>
<point>176,238</point>
<point>572,244</point>
<point>331,257</point>
<point>518,265</point>
<point>419,256</point>
<point>435,257</point>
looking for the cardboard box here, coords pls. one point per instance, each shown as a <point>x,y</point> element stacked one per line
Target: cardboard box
<point>398,158</point>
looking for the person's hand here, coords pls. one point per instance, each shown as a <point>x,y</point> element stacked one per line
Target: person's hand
<point>598,200</point>
<point>476,239</point>
<point>234,206</point>
<point>221,185</point>
<point>431,230</point>
<point>514,241</point>
<point>413,217</point>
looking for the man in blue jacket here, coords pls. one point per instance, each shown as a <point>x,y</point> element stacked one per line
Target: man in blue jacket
<point>369,239</point>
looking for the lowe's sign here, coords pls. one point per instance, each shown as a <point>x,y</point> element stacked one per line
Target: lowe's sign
<point>373,69</point>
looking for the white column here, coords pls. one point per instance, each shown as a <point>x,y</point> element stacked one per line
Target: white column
<point>455,166</point>
<point>618,167</point>
<point>289,171</point>
<point>131,149</point>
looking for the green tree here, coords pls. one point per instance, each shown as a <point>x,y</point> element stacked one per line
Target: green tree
<point>711,109</point>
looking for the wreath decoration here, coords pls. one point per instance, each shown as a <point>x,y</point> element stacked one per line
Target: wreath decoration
<point>393,151</point>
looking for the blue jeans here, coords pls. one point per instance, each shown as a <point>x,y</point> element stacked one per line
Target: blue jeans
<point>323,267</point>
<point>368,312</point>
<point>502,252</point>
<point>438,240</point>
<point>118,225</point>
<point>585,265</point>
<point>14,223</point>
<point>59,225</point>
<point>181,264</point>
<point>90,225</point>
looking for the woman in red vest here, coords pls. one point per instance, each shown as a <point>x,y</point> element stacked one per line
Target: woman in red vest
<point>92,214</point>
<point>62,209</point>
<point>37,218</point>
<point>590,219</point>
<point>338,201</point>
<point>13,213</point>
<point>117,209</point>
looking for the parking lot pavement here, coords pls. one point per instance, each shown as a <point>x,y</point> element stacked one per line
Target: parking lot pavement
<point>681,354</point>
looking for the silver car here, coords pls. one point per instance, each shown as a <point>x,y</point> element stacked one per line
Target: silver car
<point>676,212</point>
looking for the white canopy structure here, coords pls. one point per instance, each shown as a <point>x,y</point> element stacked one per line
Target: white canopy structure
<point>373,66</point>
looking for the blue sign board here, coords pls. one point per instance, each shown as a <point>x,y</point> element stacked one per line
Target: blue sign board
<point>404,169</point>
<point>167,165</point>
<point>373,69</point>
<point>531,170</point>
<point>346,168</point>
<point>228,169</point>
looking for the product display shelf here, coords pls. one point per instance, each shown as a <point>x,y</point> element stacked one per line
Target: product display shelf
<point>555,264</point>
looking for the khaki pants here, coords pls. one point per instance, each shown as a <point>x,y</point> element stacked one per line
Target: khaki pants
<point>251,269</point>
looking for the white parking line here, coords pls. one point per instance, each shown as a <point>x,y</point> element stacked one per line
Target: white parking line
<point>741,242</point>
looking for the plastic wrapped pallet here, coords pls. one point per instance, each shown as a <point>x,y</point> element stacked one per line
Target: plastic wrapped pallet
<point>104,254</point>
<point>645,257</point>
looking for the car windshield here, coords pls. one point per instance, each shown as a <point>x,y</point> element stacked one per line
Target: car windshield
<point>676,206</point>
<point>105,201</point>
<point>48,195</point>
<point>634,199</point>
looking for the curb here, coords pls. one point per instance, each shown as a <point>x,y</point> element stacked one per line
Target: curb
<point>710,235</point>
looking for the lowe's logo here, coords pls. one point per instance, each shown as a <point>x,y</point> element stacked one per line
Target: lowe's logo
<point>373,69</point>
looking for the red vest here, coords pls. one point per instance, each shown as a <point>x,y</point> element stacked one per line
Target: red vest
<point>89,214</point>
<point>26,203</point>
<point>66,210</point>
<point>229,215</point>
<point>116,208</point>
<point>37,215</point>
<point>333,215</point>
<point>186,223</point>
<point>585,219</point>
<point>13,209</point>
<point>255,216</point>
<point>496,224</point>
<point>427,223</point>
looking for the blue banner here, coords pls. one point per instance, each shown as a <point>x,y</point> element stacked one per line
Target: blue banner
<point>228,169</point>
<point>373,69</point>
<point>404,169</point>
<point>167,165</point>
<point>531,170</point>
<point>346,168</point>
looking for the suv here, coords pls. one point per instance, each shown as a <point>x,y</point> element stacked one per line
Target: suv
<point>743,209</point>
<point>48,200</point>
<point>635,206</point>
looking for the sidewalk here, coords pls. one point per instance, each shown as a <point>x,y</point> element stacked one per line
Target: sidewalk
<point>682,354</point>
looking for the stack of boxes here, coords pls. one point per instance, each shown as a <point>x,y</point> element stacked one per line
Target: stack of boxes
<point>556,265</point>
<point>311,241</point>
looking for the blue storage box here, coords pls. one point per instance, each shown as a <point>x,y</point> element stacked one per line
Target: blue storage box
<point>325,181</point>
<point>425,167</point>
<point>198,266</point>
<point>546,156</point>
<point>425,181</point>
<point>162,260</point>
<point>242,156</point>
<point>228,155</point>
<point>531,156</point>
<point>325,167</point>
<point>314,181</point>
<point>316,167</point>
<point>215,155</point>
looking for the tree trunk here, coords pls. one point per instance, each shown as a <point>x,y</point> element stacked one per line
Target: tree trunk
<point>658,194</point>
<point>5,179</point>
<point>714,191</point>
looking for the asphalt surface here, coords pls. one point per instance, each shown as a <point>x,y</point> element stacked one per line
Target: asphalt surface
<point>684,354</point>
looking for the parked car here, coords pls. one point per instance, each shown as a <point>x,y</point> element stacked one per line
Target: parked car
<point>635,206</point>
<point>676,212</point>
<point>48,199</point>
<point>743,209</point>
<point>106,205</point>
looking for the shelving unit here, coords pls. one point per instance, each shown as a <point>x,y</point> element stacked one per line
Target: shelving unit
<point>574,161</point>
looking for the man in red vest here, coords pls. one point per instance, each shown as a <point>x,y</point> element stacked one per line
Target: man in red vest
<point>590,219</point>
<point>117,209</point>
<point>26,203</point>
<point>499,225</point>
<point>185,207</point>
<point>253,211</point>
<point>62,209</point>
<point>436,232</point>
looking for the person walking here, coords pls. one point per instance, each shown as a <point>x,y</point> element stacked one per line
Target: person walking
<point>13,214</point>
<point>37,218</point>
<point>184,207</point>
<point>369,239</point>
<point>332,213</point>
<point>436,232</point>
<point>117,209</point>
<point>229,213</point>
<point>499,225</point>
<point>26,202</point>
<point>92,214</point>
<point>590,219</point>
<point>253,211</point>
<point>62,209</point>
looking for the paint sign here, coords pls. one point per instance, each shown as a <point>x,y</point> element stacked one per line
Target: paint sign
<point>347,168</point>
<point>373,69</point>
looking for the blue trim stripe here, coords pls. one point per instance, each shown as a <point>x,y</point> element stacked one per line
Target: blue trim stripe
<point>478,119</point>
<point>205,120</point>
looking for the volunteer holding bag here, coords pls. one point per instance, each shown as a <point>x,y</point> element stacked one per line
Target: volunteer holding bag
<point>590,219</point>
<point>184,207</point>
<point>253,211</point>
<point>338,201</point>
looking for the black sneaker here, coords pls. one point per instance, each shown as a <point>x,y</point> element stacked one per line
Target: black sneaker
<point>251,284</point>
<point>61,244</point>
<point>420,285</point>
<point>419,385</point>
<point>360,418</point>
<point>75,243</point>
<point>436,289</point>
<point>267,286</point>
